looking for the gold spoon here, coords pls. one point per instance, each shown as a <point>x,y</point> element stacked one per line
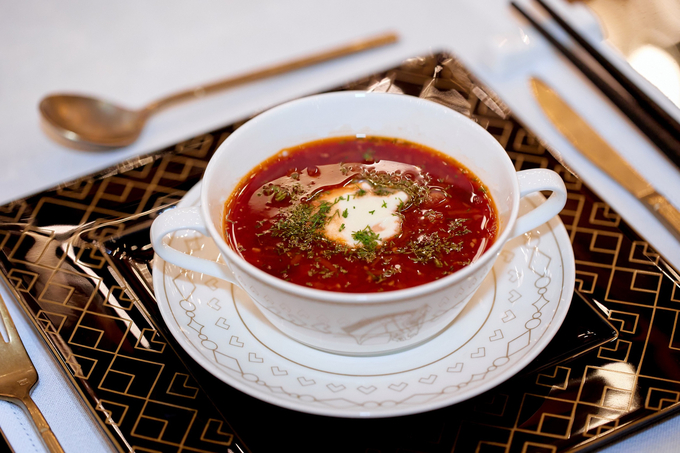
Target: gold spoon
<point>86,120</point>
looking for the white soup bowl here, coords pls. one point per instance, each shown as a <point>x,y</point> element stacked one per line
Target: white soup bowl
<point>358,323</point>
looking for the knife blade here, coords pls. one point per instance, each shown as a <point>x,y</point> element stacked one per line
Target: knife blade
<point>598,151</point>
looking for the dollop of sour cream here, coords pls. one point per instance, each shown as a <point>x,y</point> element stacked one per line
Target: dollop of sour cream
<point>358,206</point>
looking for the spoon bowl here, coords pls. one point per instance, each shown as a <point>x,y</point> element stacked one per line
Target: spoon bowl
<point>83,119</point>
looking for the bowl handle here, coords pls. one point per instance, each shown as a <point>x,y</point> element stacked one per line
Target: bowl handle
<point>185,219</point>
<point>536,180</point>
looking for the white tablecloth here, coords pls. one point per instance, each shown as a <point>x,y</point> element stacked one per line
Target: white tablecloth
<point>133,52</point>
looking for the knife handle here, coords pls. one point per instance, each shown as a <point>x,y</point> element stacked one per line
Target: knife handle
<point>664,211</point>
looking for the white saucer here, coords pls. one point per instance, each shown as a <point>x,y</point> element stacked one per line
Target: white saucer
<point>509,321</point>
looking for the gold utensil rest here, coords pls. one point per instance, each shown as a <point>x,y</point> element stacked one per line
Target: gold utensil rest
<point>18,376</point>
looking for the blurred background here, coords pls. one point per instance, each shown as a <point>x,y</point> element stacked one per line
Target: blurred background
<point>647,33</point>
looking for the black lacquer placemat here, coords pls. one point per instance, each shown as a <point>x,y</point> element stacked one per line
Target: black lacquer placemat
<point>79,257</point>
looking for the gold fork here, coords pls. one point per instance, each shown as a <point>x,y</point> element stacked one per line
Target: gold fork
<point>18,376</point>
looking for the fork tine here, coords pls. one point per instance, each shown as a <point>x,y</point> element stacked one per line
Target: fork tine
<point>10,328</point>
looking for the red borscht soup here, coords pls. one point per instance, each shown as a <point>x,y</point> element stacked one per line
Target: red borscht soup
<point>360,215</point>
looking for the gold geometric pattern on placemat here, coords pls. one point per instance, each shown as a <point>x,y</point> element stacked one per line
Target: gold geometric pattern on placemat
<point>139,385</point>
<point>103,326</point>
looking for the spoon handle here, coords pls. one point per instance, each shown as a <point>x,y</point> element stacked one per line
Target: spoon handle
<point>200,91</point>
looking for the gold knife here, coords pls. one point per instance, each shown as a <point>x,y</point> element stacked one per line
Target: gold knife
<point>591,145</point>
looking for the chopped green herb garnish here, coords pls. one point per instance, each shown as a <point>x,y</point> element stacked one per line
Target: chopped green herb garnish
<point>345,213</point>
<point>384,204</point>
<point>371,212</point>
<point>342,227</point>
<point>385,274</point>
<point>367,237</point>
<point>433,216</point>
<point>431,248</point>
<point>386,183</point>
<point>369,243</point>
<point>280,193</point>
<point>301,225</point>
<point>457,228</point>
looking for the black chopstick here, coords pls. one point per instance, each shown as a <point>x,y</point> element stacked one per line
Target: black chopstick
<point>662,132</point>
